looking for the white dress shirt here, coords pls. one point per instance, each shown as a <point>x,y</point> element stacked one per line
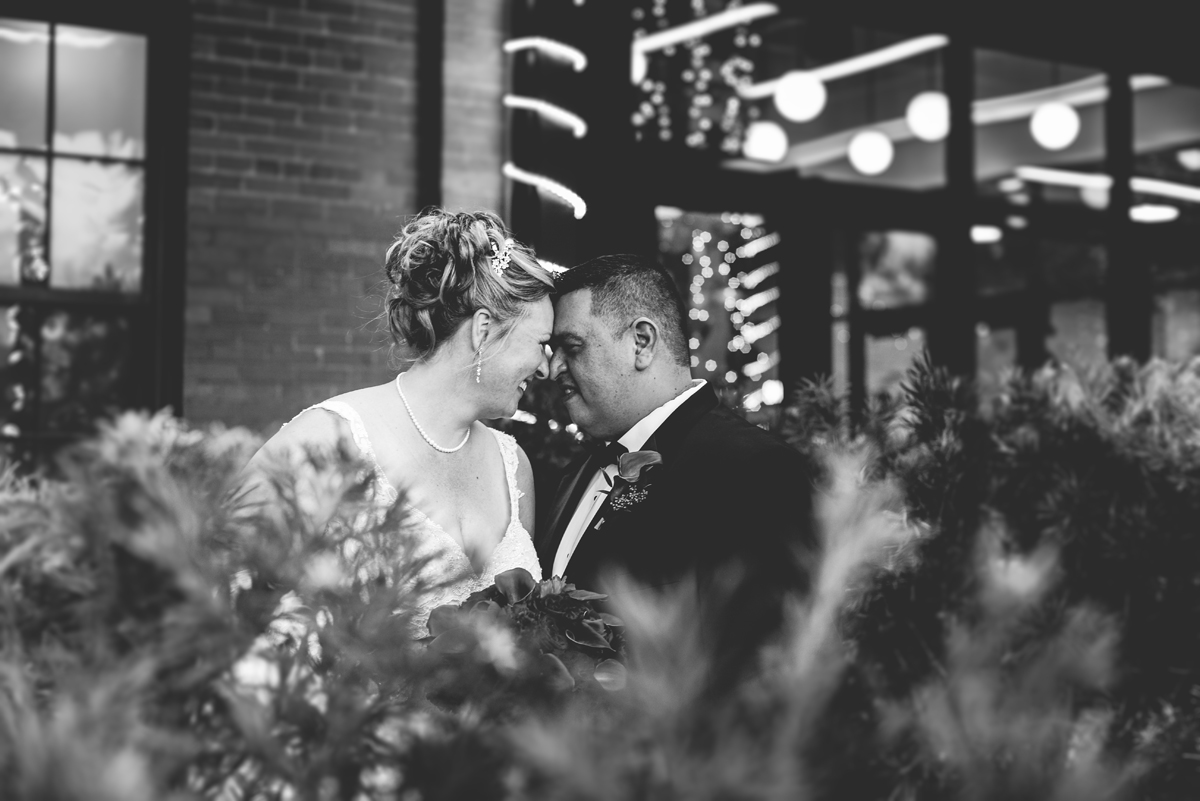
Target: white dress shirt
<point>601,483</point>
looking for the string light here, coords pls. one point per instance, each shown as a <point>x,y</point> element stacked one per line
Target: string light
<point>871,152</point>
<point>755,302</point>
<point>1084,180</point>
<point>692,30</point>
<point>553,187</point>
<point>800,96</point>
<point>753,333</point>
<point>549,47</point>
<point>765,141</point>
<point>550,112</point>
<point>757,276</point>
<point>752,249</point>
<point>928,116</point>
<point>857,64</point>
<point>1055,125</point>
<point>815,153</point>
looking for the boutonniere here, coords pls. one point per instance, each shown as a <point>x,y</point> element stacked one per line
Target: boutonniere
<point>636,470</point>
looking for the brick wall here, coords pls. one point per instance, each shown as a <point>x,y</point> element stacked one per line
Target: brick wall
<point>475,79</point>
<point>302,167</point>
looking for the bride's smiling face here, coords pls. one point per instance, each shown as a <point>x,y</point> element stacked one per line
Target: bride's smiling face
<point>519,359</point>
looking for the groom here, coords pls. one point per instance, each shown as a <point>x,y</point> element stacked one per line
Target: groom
<point>709,495</point>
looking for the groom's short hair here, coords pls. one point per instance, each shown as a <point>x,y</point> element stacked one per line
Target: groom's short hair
<point>625,286</point>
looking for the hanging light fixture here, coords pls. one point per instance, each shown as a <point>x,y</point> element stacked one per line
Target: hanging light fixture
<point>800,96</point>
<point>928,116</point>
<point>1054,125</point>
<point>871,152</point>
<point>765,141</point>
<point>1153,213</point>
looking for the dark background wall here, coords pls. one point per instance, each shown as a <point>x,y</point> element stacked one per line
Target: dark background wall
<point>302,168</point>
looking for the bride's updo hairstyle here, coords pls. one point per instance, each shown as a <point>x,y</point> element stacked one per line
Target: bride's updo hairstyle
<point>441,273</point>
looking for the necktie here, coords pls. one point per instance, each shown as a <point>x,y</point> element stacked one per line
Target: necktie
<point>604,455</point>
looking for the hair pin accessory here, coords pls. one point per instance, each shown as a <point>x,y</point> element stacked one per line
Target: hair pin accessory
<point>503,255</point>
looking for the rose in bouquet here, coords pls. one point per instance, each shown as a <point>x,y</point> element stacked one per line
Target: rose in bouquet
<point>573,645</point>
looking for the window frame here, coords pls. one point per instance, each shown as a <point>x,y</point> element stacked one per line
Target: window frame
<point>156,313</point>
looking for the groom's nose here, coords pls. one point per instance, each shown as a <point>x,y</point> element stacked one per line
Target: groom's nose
<point>558,363</point>
<point>543,368</point>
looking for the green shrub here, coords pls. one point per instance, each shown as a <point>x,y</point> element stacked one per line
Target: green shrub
<point>1004,605</point>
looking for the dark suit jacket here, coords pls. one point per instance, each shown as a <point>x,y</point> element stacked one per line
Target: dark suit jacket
<point>727,496</point>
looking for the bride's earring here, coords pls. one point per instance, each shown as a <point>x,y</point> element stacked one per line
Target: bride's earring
<point>479,355</point>
<point>479,361</point>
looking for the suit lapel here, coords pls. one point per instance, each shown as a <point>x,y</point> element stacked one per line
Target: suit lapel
<point>603,540</point>
<point>569,494</point>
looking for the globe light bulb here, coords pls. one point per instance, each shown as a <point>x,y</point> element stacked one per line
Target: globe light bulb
<point>800,96</point>
<point>765,141</point>
<point>928,116</point>
<point>871,152</point>
<point>1054,125</point>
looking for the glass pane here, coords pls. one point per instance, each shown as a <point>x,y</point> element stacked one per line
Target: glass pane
<point>1073,265</point>
<point>1002,256</point>
<point>24,83</point>
<point>22,220</point>
<point>1177,324</point>
<point>841,357</point>
<point>96,231</point>
<point>17,367</point>
<point>896,268</point>
<point>996,356</point>
<point>86,367</point>
<point>889,358</point>
<point>731,282</point>
<point>847,104</point>
<point>100,100</point>
<point>1166,131</point>
<point>1039,131</point>
<point>1078,334</point>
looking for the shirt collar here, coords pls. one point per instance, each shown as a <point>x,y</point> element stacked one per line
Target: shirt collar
<point>636,437</point>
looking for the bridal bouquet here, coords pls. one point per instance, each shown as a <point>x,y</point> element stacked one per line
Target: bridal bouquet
<point>578,646</point>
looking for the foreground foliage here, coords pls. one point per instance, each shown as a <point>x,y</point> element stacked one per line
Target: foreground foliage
<point>1004,605</point>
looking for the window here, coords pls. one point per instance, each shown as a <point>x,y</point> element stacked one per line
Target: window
<point>77,296</point>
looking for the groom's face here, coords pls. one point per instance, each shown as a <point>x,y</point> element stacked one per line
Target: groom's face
<point>592,367</point>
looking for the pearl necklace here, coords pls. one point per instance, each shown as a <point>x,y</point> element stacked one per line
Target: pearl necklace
<point>421,431</point>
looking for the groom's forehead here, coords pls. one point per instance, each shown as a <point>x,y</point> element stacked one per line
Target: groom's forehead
<point>573,312</point>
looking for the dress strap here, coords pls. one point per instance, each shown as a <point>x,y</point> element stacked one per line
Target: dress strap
<point>508,449</point>
<point>357,428</point>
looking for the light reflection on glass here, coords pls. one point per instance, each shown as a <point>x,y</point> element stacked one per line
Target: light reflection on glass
<point>16,370</point>
<point>24,72</point>
<point>96,231</point>
<point>22,220</point>
<point>896,268</point>
<point>1078,335</point>
<point>889,359</point>
<point>85,367</point>
<point>100,93</point>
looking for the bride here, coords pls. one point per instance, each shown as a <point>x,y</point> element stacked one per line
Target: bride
<point>472,308</point>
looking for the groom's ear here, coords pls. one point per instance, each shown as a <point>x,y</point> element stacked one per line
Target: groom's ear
<point>645,342</point>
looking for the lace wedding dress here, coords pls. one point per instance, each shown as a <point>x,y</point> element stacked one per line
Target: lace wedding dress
<point>449,565</point>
